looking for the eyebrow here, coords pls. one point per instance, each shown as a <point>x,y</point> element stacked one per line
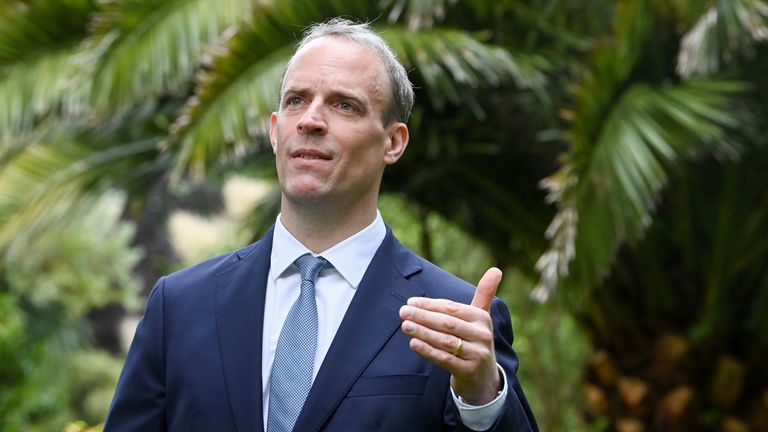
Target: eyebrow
<point>337,94</point>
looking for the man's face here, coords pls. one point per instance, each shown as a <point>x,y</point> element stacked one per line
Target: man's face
<point>328,137</point>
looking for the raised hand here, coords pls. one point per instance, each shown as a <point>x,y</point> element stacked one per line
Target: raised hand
<point>459,338</point>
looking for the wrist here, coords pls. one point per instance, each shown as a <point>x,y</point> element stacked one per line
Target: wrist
<point>485,392</point>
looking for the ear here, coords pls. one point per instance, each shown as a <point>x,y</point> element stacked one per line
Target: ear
<point>398,141</point>
<point>273,131</point>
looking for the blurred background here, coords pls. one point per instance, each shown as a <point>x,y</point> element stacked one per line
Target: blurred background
<point>609,156</point>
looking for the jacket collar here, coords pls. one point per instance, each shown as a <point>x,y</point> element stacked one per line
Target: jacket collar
<point>240,293</point>
<point>372,318</point>
<point>370,321</point>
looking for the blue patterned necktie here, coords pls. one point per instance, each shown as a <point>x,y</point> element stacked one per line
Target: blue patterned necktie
<point>295,353</point>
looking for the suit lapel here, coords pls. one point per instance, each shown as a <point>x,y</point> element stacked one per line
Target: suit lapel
<point>240,296</point>
<point>372,318</point>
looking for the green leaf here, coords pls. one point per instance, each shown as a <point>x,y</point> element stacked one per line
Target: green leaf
<point>52,176</point>
<point>452,63</point>
<point>611,199</point>
<point>226,118</point>
<point>728,29</point>
<point>230,110</point>
<point>145,48</point>
<point>45,85</point>
<point>83,262</point>
<point>38,73</point>
<point>34,27</point>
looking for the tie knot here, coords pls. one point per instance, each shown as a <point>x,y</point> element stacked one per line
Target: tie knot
<point>311,266</point>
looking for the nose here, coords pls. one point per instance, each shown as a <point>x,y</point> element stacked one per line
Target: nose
<point>312,121</point>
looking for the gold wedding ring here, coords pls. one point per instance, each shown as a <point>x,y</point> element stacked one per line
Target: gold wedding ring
<point>459,348</point>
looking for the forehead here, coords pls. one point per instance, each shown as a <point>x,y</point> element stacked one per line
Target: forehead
<point>332,60</point>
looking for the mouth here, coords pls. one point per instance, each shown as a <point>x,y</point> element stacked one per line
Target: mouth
<point>309,155</point>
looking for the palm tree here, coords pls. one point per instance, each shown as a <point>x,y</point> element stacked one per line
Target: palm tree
<point>147,95</point>
<point>627,111</point>
<point>186,86</point>
<point>657,226</point>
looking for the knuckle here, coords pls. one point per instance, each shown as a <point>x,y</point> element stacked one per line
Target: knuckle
<point>448,341</point>
<point>443,356</point>
<point>485,336</point>
<point>451,308</point>
<point>484,353</point>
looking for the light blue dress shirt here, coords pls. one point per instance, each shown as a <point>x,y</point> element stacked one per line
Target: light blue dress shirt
<point>334,291</point>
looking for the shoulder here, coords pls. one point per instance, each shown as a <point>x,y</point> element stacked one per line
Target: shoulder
<point>435,281</point>
<point>212,266</point>
<point>433,274</point>
<point>204,275</point>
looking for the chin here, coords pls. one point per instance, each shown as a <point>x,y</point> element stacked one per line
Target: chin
<point>305,195</point>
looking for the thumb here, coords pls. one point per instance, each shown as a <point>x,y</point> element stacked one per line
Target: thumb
<point>486,289</point>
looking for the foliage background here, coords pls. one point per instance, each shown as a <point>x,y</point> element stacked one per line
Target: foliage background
<point>609,155</point>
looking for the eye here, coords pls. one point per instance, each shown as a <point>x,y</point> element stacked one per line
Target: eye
<point>346,106</point>
<point>293,100</point>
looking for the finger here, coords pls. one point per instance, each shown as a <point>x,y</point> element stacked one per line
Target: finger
<point>448,307</point>
<point>486,289</point>
<point>440,322</point>
<point>442,341</point>
<point>446,360</point>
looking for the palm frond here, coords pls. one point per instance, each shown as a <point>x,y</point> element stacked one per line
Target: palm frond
<point>418,14</point>
<point>149,47</point>
<point>240,87</point>
<point>29,28</point>
<point>613,63</point>
<point>233,101</point>
<point>728,29</point>
<point>222,123</point>
<point>31,90</point>
<point>37,42</point>
<point>453,64</point>
<point>611,199</point>
<point>49,178</point>
<point>231,105</point>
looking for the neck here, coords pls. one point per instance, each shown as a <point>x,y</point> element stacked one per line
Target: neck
<point>320,227</point>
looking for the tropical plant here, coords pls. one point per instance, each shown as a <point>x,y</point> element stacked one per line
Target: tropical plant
<point>652,197</point>
<point>48,285</point>
<point>151,96</point>
<point>603,120</point>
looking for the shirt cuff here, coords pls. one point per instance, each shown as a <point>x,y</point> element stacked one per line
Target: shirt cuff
<point>480,418</point>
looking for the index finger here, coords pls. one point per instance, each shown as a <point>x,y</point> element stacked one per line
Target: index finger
<point>486,289</point>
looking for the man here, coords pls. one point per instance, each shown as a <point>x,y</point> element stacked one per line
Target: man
<point>328,322</point>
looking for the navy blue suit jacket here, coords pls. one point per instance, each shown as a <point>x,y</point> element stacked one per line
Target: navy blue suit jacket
<point>195,362</point>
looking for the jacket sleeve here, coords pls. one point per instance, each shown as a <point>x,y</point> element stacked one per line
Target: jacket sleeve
<point>139,402</point>
<point>517,414</point>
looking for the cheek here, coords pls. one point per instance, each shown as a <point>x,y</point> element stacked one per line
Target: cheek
<point>366,165</point>
<point>374,148</point>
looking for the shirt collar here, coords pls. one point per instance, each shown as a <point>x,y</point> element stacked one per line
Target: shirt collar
<point>350,257</point>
